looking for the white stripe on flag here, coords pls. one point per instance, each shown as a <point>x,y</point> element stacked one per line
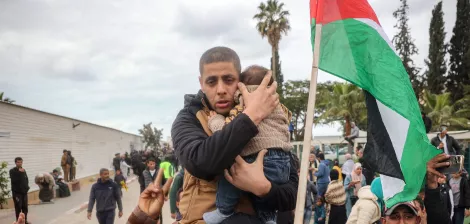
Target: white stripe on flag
<point>379,29</point>
<point>391,186</point>
<point>397,129</point>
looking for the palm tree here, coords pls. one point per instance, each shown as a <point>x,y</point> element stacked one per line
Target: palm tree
<point>346,103</point>
<point>6,100</point>
<point>440,109</point>
<point>272,23</point>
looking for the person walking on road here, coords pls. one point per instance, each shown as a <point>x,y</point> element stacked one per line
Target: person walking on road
<point>150,173</point>
<point>19,188</point>
<point>124,167</point>
<point>65,165</point>
<point>106,193</point>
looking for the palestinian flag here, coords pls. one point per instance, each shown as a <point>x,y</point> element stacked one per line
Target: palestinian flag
<point>354,47</point>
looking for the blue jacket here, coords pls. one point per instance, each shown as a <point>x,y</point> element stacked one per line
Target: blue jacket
<point>106,194</point>
<point>320,213</point>
<point>323,173</point>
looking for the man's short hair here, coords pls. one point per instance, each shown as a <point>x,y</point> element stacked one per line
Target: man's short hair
<point>151,159</point>
<point>65,150</point>
<point>321,156</point>
<point>220,54</point>
<point>55,171</point>
<point>254,75</point>
<point>102,170</point>
<point>18,159</point>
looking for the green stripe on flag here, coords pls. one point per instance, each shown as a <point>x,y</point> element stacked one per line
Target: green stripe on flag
<point>356,52</point>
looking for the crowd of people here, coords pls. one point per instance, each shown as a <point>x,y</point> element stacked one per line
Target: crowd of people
<point>232,141</point>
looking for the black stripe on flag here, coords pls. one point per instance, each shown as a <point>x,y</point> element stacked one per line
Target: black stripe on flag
<point>379,154</point>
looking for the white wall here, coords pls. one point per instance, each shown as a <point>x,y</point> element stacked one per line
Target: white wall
<point>39,139</point>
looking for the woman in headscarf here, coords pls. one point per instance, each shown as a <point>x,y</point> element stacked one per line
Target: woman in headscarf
<point>336,198</point>
<point>352,184</point>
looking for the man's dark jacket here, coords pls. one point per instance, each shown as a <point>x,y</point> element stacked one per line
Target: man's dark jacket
<point>206,157</point>
<point>106,194</point>
<point>452,145</point>
<point>117,163</point>
<point>19,181</point>
<point>435,208</point>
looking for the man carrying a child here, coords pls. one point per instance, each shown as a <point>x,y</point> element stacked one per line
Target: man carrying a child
<point>206,153</point>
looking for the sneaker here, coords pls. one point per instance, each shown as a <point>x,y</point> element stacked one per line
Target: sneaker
<point>214,217</point>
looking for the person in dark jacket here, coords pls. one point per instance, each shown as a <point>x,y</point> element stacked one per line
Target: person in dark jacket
<point>127,158</point>
<point>150,173</point>
<point>106,194</point>
<point>71,163</point>
<point>461,196</point>
<point>446,142</point>
<point>206,157</point>
<point>117,162</point>
<point>19,188</point>
<point>446,195</point>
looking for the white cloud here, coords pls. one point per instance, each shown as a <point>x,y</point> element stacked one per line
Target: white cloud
<point>123,63</point>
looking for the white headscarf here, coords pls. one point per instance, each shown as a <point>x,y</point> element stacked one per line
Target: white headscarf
<point>355,177</point>
<point>348,166</point>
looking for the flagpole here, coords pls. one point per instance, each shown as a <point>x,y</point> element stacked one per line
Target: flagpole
<point>302,188</point>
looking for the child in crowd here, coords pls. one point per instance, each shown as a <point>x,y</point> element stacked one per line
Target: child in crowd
<point>150,173</point>
<point>273,135</point>
<point>461,196</point>
<point>320,211</point>
<point>119,179</point>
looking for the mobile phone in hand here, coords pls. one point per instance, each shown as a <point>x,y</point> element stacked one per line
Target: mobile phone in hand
<point>456,165</point>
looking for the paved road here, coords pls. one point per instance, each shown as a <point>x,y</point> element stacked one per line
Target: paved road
<point>63,210</point>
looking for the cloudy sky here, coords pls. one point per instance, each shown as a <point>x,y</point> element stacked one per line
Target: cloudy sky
<point>124,63</point>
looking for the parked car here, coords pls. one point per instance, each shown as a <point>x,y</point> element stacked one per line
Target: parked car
<point>331,155</point>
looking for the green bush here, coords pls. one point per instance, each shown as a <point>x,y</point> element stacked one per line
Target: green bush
<point>4,192</point>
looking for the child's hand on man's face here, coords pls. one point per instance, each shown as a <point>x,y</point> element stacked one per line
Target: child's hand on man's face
<point>212,114</point>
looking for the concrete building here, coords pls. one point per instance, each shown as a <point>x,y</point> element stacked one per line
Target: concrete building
<point>39,138</point>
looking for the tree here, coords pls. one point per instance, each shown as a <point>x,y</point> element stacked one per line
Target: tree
<point>441,110</point>
<point>345,104</point>
<point>279,75</point>
<point>405,46</point>
<point>459,51</point>
<point>436,63</point>
<point>272,23</point>
<point>6,100</point>
<point>464,103</point>
<point>296,97</point>
<point>152,138</point>
<point>4,192</point>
